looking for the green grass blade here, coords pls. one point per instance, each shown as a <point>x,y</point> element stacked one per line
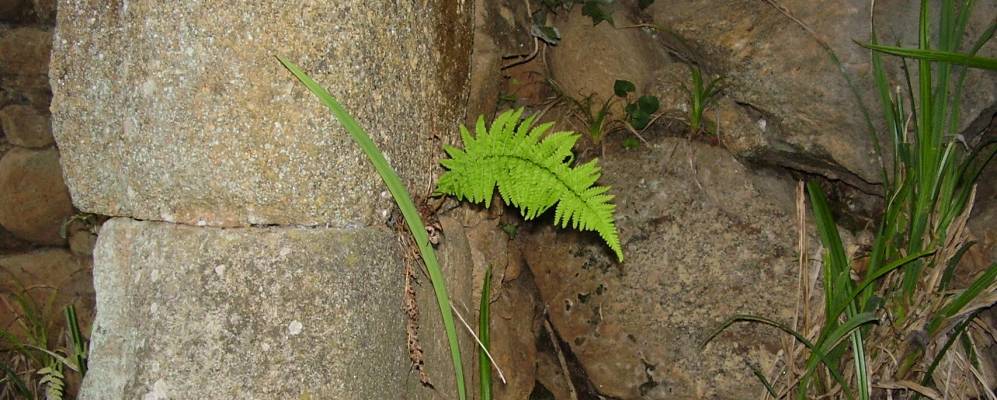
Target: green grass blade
<point>19,387</point>
<point>956,332</point>
<point>879,273</point>
<point>889,108</point>
<point>837,280</point>
<point>979,62</point>
<point>983,282</point>
<point>762,320</point>
<point>830,340</point>
<point>861,368</point>
<point>765,382</point>
<point>76,341</point>
<point>953,262</point>
<point>408,209</point>
<point>826,227</point>
<point>484,335</point>
<point>816,354</point>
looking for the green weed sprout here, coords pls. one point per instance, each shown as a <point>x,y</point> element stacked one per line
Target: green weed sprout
<point>701,96</point>
<point>408,209</point>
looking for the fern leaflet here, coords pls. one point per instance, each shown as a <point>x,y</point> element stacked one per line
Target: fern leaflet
<point>531,174</point>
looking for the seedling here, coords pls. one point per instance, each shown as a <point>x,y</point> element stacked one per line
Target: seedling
<point>700,97</point>
<point>639,111</point>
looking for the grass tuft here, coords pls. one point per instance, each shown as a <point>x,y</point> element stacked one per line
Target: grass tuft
<point>885,332</point>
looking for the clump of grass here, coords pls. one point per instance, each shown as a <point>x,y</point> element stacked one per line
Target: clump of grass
<point>32,366</point>
<point>899,329</point>
<point>701,96</point>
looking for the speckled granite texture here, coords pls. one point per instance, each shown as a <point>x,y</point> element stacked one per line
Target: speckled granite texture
<point>179,111</point>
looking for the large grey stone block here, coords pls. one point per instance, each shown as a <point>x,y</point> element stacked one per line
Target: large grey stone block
<point>246,313</point>
<point>178,111</point>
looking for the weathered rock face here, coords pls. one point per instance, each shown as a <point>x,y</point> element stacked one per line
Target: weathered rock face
<point>45,10</point>
<point>702,244</point>
<point>34,201</point>
<point>783,78</point>
<point>253,312</point>
<point>515,310</point>
<point>786,102</point>
<point>455,258</point>
<point>181,113</point>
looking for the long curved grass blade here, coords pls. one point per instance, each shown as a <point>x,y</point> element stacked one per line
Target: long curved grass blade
<point>956,332</point>
<point>983,282</point>
<point>408,209</point>
<point>762,320</point>
<point>76,341</point>
<point>817,355</point>
<point>935,55</point>
<point>843,302</point>
<point>484,335</point>
<point>765,382</point>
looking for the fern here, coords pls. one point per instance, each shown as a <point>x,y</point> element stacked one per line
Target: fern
<point>53,380</point>
<point>531,174</point>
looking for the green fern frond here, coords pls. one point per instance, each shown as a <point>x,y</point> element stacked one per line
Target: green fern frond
<point>531,174</point>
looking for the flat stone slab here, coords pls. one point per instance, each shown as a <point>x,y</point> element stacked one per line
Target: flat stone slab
<point>246,313</point>
<point>181,113</point>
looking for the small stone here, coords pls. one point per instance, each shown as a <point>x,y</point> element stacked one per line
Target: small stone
<point>26,127</point>
<point>34,201</point>
<point>25,51</point>
<point>294,328</point>
<point>82,242</point>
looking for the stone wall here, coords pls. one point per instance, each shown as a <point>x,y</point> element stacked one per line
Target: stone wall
<point>40,253</point>
<point>249,256</point>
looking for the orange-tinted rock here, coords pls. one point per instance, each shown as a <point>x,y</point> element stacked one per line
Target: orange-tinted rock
<point>34,201</point>
<point>25,51</point>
